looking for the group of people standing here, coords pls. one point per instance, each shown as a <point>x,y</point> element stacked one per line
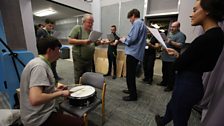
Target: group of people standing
<point>182,72</point>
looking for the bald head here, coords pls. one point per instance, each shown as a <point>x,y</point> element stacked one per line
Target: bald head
<point>176,23</point>
<point>175,27</point>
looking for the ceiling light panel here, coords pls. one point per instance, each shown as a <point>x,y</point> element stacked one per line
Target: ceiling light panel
<point>45,12</point>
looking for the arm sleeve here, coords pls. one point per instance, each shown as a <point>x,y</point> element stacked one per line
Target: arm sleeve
<point>74,32</point>
<point>133,34</point>
<point>181,40</point>
<point>39,77</point>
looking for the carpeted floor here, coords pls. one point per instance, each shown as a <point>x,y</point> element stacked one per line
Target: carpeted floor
<point>152,100</point>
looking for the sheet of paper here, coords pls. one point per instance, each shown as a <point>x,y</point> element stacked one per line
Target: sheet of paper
<point>157,35</point>
<point>94,36</point>
<point>110,37</point>
<point>56,34</point>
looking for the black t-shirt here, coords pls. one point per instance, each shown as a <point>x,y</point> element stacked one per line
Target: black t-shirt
<point>42,33</point>
<point>151,51</point>
<point>113,48</point>
<point>203,53</point>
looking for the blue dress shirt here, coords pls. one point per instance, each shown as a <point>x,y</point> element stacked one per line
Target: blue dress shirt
<point>136,40</point>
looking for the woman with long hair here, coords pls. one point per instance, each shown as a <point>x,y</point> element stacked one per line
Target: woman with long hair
<point>200,57</point>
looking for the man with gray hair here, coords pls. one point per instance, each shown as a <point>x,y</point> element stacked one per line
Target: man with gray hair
<point>83,49</point>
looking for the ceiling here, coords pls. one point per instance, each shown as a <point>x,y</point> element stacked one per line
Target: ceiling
<point>63,11</point>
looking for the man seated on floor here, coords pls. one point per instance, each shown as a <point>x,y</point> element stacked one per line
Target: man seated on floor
<point>38,92</point>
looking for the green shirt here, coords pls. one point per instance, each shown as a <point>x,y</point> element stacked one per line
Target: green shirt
<point>81,52</point>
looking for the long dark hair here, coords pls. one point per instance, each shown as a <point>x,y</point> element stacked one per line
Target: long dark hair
<point>215,8</point>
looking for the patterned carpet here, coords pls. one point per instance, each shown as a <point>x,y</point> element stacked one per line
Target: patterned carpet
<point>151,100</point>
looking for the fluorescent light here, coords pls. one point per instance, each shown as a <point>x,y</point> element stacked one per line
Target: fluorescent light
<point>162,30</point>
<point>45,12</point>
<point>155,26</point>
<point>88,0</point>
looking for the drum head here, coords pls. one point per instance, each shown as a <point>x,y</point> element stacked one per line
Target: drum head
<point>82,91</point>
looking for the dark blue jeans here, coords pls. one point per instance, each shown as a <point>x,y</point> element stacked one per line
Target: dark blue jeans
<point>188,91</point>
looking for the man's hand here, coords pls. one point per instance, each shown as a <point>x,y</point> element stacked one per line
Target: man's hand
<point>172,52</point>
<point>65,93</point>
<point>87,41</point>
<point>61,87</point>
<point>122,39</point>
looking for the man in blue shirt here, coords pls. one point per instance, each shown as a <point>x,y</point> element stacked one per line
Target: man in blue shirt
<point>134,49</point>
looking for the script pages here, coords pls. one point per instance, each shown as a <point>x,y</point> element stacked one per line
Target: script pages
<point>158,36</point>
<point>94,36</point>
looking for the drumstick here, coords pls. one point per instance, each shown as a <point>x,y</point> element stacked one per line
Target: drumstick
<point>76,90</point>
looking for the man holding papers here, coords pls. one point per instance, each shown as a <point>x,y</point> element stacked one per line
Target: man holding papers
<point>83,46</point>
<point>175,40</point>
<point>112,51</point>
<point>134,49</point>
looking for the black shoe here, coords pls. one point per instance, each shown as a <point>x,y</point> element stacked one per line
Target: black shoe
<point>126,91</point>
<point>161,84</point>
<point>168,89</point>
<point>114,77</point>
<point>145,80</point>
<point>149,82</point>
<point>129,98</point>
<point>158,120</point>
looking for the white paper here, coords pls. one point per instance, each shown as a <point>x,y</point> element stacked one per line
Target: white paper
<point>157,35</point>
<point>56,34</point>
<point>122,39</point>
<point>94,36</point>
<point>110,37</point>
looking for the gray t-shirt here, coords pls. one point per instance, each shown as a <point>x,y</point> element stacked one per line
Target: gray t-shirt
<point>36,73</point>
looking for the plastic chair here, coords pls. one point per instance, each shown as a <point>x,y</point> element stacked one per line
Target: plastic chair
<point>96,80</point>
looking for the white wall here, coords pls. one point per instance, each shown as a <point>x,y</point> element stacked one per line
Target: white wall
<point>185,10</point>
<point>96,11</point>
<point>27,18</point>
<point>111,2</point>
<point>114,12</point>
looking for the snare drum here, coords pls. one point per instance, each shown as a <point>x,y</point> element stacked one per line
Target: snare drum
<point>82,95</point>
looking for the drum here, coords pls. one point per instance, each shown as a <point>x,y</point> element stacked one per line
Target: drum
<point>82,95</point>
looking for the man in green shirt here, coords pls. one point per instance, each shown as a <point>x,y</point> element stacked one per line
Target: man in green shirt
<point>83,49</point>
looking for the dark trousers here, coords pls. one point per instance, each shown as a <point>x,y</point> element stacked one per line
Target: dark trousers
<point>80,66</point>
<point>131,64</point>
<point>60,119</point>
<point>112,60</point>
<point>148,66</point>
<point>188,91</point>
<point>168,74</point>
<point>53,68</point>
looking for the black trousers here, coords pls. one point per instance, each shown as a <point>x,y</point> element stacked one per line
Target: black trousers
<point>112,60</point>
<point>131,64</point>
<point>188,91</point>
<point>53,68</point>
<point>168,74</point>
<point>60,119</point>
<point>148,66</point>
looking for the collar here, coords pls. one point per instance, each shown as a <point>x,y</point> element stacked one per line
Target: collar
<point>45,60</point>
